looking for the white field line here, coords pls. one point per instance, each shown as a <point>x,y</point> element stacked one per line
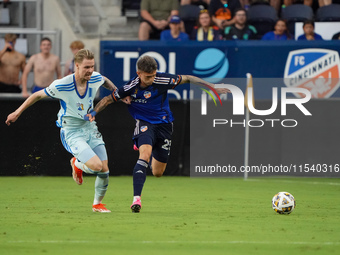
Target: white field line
<point>292,181</point>
<point>171,242</point>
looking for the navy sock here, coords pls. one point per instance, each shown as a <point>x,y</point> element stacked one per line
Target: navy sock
<point>139,176</point>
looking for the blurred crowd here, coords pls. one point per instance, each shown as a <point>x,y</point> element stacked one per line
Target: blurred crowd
<point>179,20</point>
<point>210,20</point>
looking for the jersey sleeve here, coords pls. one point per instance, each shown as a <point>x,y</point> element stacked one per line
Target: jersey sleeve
<point>127,90</point>
<point>169,80</point>
<point>52,90</point>
<point>96,79</point>
<point>175,81</point>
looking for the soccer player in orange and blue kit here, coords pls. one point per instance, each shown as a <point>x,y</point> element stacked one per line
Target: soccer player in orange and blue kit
<point>150,108</point>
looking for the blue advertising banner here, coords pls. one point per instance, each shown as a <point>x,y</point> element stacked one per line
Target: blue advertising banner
<point>313,65</point>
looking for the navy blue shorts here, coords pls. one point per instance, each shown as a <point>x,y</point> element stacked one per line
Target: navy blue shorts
<point>157,135</point>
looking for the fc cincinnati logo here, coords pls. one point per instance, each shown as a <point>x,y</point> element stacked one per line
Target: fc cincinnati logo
<point>317,70</point>
<point>143,128</point>
<point>147,94</point>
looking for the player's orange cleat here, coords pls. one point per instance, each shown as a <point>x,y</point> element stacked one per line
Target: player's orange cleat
<point>76,172</point>
<point>100,208</point>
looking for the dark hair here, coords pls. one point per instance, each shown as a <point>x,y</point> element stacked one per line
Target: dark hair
<point>308,22</point>
<point>45,39</point>
<point>287,33</point>
<point>240,9</point>
<point>146,64</point>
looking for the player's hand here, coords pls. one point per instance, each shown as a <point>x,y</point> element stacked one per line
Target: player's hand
<point>90,116</point>
<point>127,100</point>
<point>11,118</point>
<point>222,91</point>
<point>25,94</point>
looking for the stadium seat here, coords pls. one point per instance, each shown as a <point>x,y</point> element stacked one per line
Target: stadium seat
<point>189,14</point>
<point>296,13</point>
<point>328,13</point>
<point>131,8</point>
<point>263,18</point>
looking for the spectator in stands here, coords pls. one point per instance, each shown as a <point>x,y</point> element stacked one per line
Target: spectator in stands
<point>309,34</point>
<point>44,64</point>
<point>75,46</point>
<point>203,4</point>
<point>222,12</point>
<point>280,32</point>
<point>336,36</point>
<point>205,31</point>
<point>174,34</point>
<point>240,30</point>
<point>305,2</point>
<point>11,63</point>
<point>155,17</point>
<point>276,4</point>
<point>324,2</point>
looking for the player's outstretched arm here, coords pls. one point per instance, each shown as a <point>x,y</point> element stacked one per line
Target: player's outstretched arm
<point>35,97</point>
<point>198,81</point>
<point>99,107</point>
<point>108,84</point>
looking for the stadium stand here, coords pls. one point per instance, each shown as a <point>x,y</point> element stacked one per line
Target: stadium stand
<point>189,14</point>
<point>296,13</point>
<point>328,13</point>
<point>263,18</point>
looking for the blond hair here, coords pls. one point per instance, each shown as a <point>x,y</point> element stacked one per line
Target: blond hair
<point>83,54</point>
<point>10,37</point>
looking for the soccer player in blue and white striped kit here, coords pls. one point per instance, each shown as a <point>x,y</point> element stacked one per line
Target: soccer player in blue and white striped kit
<point>150,108</point>
<point>76,93</point>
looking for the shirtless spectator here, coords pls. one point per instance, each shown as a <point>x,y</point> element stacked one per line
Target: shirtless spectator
<point>11,63</point>
<point>45,65</point>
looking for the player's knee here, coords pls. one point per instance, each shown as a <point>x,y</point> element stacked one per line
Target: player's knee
<point>157,173</point>
<point>97,166</point>
<point>144,26</point>
<point>145,155</point>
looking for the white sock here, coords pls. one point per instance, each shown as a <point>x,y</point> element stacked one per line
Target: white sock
<point>135,198</point>
<point>100,187</point>
<point>83,167</point>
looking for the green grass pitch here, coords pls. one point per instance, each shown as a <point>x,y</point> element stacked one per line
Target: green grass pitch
<point>180,215</point>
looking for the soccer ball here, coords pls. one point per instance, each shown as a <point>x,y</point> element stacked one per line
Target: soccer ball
<point>283,203</point>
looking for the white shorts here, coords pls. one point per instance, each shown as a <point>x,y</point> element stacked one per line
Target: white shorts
<point>82,141</point>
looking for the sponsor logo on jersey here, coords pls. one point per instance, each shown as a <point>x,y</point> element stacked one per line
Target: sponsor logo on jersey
<point>50,91</point>
<point>143,128</point>
<point>80,107</point>
<point>317,70</point>
<point>147,94</point>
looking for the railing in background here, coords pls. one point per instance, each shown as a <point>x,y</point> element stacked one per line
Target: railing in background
<point>103,26</point>
<point>26,31</point>
<point>38,17</point>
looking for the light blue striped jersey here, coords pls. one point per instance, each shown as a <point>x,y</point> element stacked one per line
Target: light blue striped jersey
<point>73,106</point>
